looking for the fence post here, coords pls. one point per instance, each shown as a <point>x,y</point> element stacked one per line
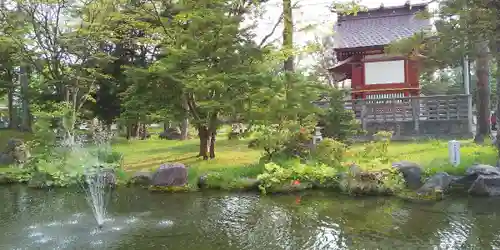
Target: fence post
<point>415,108</point>
<point>363,114</point>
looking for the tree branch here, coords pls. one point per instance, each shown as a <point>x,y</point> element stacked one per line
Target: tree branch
<point>272,30</point>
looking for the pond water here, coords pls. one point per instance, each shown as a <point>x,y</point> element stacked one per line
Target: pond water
<point>61,219</point>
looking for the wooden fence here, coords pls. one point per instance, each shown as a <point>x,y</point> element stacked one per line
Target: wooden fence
<point>408,116</point>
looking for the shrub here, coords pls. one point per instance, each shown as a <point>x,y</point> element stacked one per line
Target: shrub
<point>377,149</point>
<point>329,152</point>
<point>276,176</point>
<point>290,138</point>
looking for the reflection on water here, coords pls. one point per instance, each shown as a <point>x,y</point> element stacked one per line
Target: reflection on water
<point>34,219</point>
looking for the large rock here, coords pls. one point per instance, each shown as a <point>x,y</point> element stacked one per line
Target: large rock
<point>439,182</point>
<point>6,159</point>
<point>486,185</point>
<point>359,182</point>
<point>5,179</point>
<point>15,152</point>
<point>480,169</point>
<point>170,174</point>
<point>412,173</point>
<point>171,134</point>
<point>141,178</point>
<point>202,181</point>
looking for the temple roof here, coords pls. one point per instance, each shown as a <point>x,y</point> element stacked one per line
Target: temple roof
<point>378,27</point>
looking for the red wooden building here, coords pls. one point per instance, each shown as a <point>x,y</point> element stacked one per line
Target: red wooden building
<point>359,42</point>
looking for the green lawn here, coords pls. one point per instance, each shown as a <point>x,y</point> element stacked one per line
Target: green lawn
<point>234,155</point>
<point>235,158</point>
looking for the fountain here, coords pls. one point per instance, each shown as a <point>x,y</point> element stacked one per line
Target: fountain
<point>98,181</point>
<point>97,192</point>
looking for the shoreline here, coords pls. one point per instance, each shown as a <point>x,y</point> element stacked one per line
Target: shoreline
<point>480,180</point>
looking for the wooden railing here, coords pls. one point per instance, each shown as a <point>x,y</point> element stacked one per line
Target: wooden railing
<point>416,110</point>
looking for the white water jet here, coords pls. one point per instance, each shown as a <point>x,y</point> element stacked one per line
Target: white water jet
<point>96,184</point>
<point>97,189</point>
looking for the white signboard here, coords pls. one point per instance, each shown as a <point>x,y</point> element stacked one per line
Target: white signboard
<point>454,152</point>
<point>385,72</point>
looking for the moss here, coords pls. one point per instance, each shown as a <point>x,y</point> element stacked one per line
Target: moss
<point>435,195</point>
<point>172,189</point>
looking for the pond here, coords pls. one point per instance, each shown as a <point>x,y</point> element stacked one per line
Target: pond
<point>139,219</point>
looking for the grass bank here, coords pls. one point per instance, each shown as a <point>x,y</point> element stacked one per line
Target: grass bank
<point>234,159</point>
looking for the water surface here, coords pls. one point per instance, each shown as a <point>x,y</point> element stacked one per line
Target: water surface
<point>61,219</point>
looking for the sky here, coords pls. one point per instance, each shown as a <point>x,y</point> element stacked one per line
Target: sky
<point>309,12</point>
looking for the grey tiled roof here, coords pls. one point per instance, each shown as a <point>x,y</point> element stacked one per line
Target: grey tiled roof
<point>376,28</point>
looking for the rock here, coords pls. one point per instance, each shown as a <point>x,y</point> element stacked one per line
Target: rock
<point>360,182</point>
<point>6,159</point>
<point>480,169</point>
<point>250,184</point>
<point>170,174</point>
<point>234,136</point>
<point>254,143</point>
<point>16,152</point>
<point>141,178</point>
<point>412,173</point>
<point>5,179</point>
<point>202,181</point>
<point>40,180</point>
<point>354,170</point>
<point>171,134</point>
<point>437,183</point>
<point>486,185</point>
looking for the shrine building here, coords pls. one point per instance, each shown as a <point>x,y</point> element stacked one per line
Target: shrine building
<point>359,43</point>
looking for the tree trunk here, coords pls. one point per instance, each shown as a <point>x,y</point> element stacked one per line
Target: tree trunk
<point>12,110</point>
<point>288,35</point>
<point>167,125</point>
<point>212,144</point>
<point>185,129</point>
<point>483,94</point>
<point>212,131</point>
<point>204,138</point>
<point>132,130</point>
<point>138,129</point>
<point>497,57</point>
<point>143,131</point>
<point>26,116</point>
<point>185,119</point>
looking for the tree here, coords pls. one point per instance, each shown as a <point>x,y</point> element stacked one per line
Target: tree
<point>463,28</point>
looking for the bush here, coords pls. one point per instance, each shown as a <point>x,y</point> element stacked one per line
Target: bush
<point>376,178</point>
<point>339,123</point>
<point>290,138</point>
<point>377,149</point>
<point>329,152</point>
<point>276,176</point>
